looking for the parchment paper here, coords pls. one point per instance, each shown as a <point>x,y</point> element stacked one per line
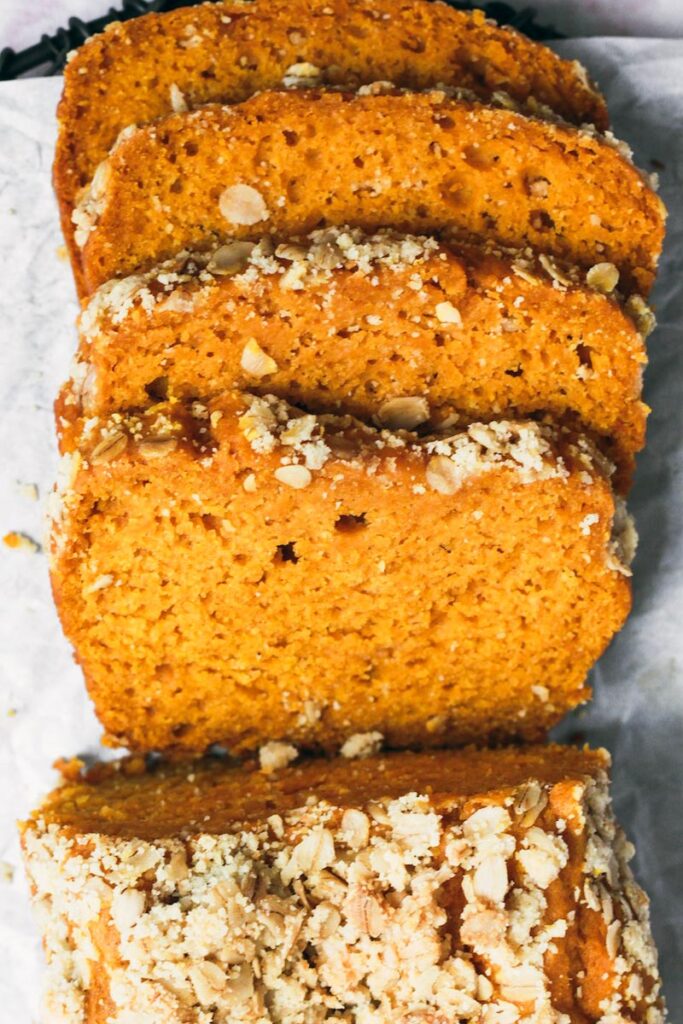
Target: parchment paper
<point>44,713</point>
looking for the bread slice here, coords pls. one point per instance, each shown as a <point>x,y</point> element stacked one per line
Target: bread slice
<point>288,162</point>
<point>472,885</point>
<point>399,329</point>
<point>144,68</point>
<point>238,571</point>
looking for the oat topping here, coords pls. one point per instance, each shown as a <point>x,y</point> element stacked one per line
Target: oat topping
<point>604,277</point>
<point>326,912</point>
<point>482,447</point>
<point>298,263</point>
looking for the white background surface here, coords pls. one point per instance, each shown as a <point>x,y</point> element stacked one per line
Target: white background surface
<point>638,708</point>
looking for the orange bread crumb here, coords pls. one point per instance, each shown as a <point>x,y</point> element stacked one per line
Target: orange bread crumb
<point>397,329</point>
<point>288,162</point>
<point>471,885</point>
<point>144,68</point>
<point>238,571</point>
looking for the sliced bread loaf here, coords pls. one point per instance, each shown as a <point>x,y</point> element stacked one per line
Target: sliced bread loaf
<point>288,162</point>
<point>146,67</point>
<point>399,329</point>
<point>239,571</point>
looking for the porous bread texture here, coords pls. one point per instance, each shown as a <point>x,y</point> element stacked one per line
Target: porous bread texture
<point>288,162</point>
<point>478,886</point>
<point>226,52</point>
<point>396,329</point>
<point>240,571</point>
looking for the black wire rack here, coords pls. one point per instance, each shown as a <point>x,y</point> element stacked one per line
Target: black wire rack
<point>48,56</point>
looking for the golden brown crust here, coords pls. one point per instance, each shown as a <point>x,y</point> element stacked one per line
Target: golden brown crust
<point>473,885</point>
<point>257,580</point>
<point>287,162</point>
<point>128,74</point>
<point>395,329</point>
<point>150,799</point>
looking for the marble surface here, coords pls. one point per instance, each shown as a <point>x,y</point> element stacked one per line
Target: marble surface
<point>638,707</point>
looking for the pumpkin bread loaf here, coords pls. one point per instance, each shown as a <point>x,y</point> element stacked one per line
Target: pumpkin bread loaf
<point>398,329</point>
<point>288,162</point>
<point>144,68</point>
<point>471,886</point>
<point>239,571</point>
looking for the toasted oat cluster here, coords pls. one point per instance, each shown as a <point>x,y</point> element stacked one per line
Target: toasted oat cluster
<point>413,161</point>
<point>225,52</point>
<point>472,886</point>
<point>397,329</point>
<point>239,571</point>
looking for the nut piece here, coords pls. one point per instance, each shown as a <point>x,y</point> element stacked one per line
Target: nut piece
<point>446,313</point>
<point>604,277</point>
<point>255,361</point>
<point>242,204</point>
<point>404,413</point>
<point>157,447</point>
<point>442,475</point>
<point>297,477</point>
<point>230,258</point>
<point>109,448</point>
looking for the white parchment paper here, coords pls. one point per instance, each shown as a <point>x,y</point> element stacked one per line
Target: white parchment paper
<point>44,713</point>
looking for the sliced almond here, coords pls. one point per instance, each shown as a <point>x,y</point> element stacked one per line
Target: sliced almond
<point>242,204</point>
<point>404,413</point>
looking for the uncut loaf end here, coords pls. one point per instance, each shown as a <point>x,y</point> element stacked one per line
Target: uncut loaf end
<point>475,886</point>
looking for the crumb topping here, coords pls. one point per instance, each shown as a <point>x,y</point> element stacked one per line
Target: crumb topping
<point>362,744</point>
<point>326,912</point>
<point>183,283</point>
<point>275,755</point>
